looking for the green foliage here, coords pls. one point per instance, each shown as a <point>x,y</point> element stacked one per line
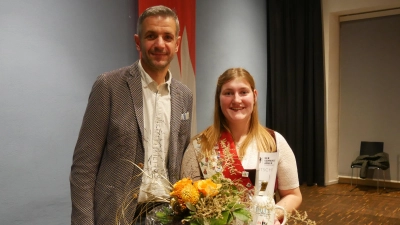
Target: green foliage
<point>166,215</point>
<point>242,214</point>
<point>221,221</point>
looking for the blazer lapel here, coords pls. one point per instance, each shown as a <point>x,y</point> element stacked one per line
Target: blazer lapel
<point>176,111</point>
<point>176,107</point>
<point>135,86</point>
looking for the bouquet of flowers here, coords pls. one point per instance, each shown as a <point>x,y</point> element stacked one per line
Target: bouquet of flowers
<point>214,201</point>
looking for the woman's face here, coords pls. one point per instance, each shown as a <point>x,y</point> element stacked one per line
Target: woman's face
<point>237,101</point>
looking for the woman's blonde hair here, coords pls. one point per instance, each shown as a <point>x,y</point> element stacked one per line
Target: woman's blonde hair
<point>210,136</point>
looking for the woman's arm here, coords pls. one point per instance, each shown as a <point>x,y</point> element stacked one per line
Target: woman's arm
<point>288,183</point>
<point>290,199</point>
<point>190,167</point>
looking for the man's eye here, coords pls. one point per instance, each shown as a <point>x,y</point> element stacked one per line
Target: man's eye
<point>169,38</point>
<point>150,36</point>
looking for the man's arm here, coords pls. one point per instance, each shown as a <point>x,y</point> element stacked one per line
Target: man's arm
<point>88,153</point>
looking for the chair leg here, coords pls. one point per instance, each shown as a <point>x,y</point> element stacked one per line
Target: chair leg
<point>377,187</point>
<point>384,181</point>
<point>351,180</point>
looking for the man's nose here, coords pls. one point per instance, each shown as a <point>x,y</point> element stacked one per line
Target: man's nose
<point>160,41</point>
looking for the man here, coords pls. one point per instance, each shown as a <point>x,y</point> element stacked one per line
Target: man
<point>137,120</point>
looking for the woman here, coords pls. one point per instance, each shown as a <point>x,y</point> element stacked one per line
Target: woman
<point>236,127</point>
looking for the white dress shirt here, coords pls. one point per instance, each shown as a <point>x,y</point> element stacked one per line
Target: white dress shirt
<point>157,116</point>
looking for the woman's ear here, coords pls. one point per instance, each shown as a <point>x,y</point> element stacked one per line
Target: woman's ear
<point>255,95</point>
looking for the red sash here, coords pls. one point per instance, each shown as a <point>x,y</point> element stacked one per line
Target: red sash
<point>238,174</point>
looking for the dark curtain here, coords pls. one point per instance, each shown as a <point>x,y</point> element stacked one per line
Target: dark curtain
<point>295,88</point>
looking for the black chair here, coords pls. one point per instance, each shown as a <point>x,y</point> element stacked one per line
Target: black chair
<point>371,157</point>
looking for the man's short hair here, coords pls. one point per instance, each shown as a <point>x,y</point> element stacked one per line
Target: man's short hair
<point>158,10</point>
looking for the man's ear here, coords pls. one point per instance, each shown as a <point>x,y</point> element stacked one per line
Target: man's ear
<point>137,41</point>
<point>178,43</point>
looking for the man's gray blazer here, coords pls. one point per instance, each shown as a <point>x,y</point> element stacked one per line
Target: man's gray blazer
<point>110,141</point>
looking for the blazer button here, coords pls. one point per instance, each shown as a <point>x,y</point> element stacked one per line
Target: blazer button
<point>141,165</point>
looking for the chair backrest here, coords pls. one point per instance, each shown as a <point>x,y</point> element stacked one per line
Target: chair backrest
<point>371,147</point>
